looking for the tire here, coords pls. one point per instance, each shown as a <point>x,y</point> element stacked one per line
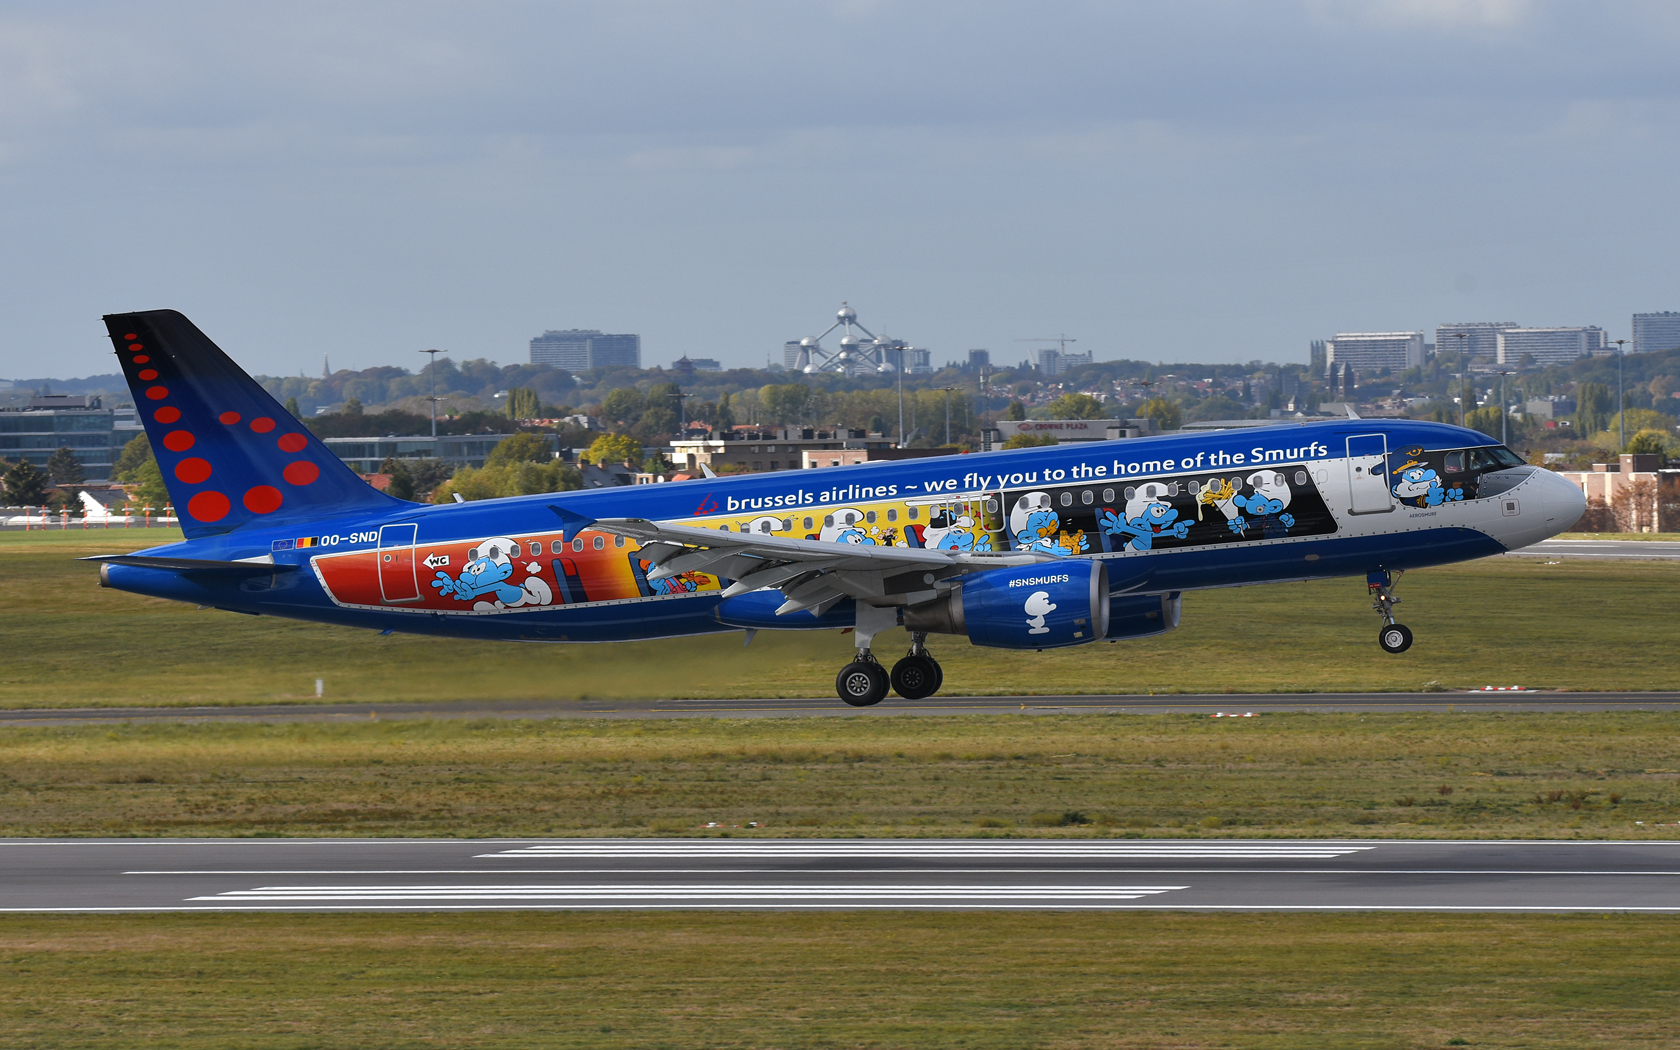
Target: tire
<point>915,677</point>
<point>862,684</point>
<point>1395,638</point>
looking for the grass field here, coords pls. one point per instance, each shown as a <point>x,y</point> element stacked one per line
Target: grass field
<point>1415,776</point>
<point>1572,625</point>
<point>897,979</point>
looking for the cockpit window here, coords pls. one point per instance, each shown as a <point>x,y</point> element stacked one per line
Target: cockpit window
<point>1506,457</point>
<point>1454,463</point>
<point>1481,459</point>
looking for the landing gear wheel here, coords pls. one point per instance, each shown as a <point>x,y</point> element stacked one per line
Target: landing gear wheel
<point>1395,638</point>
<point>916,676</point>
<point>862,683</point>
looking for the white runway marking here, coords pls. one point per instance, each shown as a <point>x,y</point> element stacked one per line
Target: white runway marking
<point>945,849</point>
<point>679,892</point>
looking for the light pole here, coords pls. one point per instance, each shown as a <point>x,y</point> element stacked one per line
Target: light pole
<point>432,368</point>
<point>947,390</point>
<point>1502,415</point>
<point>901,442</point>
<point>1621,408</point>
<point>1462,375</point>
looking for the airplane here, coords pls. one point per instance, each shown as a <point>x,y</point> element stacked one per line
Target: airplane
<point>1024,549</point>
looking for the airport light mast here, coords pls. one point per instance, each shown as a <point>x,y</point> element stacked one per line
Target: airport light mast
<point>432,368</point>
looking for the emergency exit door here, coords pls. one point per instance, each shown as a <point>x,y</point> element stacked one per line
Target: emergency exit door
<point>397,582</point>
<point>1367,464</point>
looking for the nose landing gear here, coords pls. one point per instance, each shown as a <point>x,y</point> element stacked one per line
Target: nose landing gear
<point>1394,637</point>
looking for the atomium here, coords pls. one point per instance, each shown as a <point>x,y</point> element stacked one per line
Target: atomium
<point>853,356</point>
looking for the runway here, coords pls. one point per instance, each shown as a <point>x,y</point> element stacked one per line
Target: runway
<point>1612,550</point>
<point>1234,704</point>
<point>841,874</point>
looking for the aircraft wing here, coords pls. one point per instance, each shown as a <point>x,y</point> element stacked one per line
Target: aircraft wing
<point>811,574</point>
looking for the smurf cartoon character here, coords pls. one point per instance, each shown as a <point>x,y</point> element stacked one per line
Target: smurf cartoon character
<point>1148,516</point>
<point>846,525</point>
<point>1038,606</point>
<point>1267,505</point>
<point>484,579</point>
<point>1037,527</point>
<point>1418,483</point>
<point>951,528</point>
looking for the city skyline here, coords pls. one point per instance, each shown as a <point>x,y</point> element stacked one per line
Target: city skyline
<point>1147,177</point>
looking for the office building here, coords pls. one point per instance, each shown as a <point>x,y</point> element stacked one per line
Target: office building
<point>1547,346</point>
<point>1374,351</point>
<point>687,366</point>
<point>1659,331</point>
<point>979,360</point>
<point>73,421</point>
<point>365,454</point>
<point>768,448</point>
<point>580,349</point>
<point>1481,338</point>
<point>1053,362</point>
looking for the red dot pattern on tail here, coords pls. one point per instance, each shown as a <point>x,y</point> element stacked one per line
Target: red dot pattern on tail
<point>177,441</point>
<point>229,418</point>
<point>167,414</point>
<point>293,443</point>
<point>209,506</point>
<point>157,393</point>
<point>262,424</point>
<point>301,473</point>
<point>194,471</point>
<point>262,499</point>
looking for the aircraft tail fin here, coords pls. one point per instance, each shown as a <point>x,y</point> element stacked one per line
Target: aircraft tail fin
<point>92,509</point>
<point>229,453</point>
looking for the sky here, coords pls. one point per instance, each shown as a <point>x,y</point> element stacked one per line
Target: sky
<point>1196,181</point>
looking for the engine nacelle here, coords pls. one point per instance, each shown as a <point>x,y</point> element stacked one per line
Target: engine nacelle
<point>1141,615</point>
<point>1047,606</point>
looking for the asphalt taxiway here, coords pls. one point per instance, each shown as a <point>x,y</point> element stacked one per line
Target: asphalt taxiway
<point>720,873</point>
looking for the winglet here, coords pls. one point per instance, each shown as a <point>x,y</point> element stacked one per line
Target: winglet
<point>571,523</point>
<point>707,470</point>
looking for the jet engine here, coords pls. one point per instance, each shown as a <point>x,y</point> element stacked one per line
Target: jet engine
<point>1045,606</point>
<point>1141,615</point>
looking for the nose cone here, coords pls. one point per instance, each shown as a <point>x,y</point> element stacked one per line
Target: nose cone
<point>1565,503</point>
<point>1542,506</point>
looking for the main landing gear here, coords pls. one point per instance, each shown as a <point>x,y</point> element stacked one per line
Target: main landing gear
<point>864,682</point>
<point>1394,637</point>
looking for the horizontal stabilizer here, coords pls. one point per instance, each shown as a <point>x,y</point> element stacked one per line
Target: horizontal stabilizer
<point>194,565</point>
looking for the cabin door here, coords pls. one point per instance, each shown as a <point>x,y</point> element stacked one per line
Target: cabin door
<point>1367,460</point>
<point>397,581</point>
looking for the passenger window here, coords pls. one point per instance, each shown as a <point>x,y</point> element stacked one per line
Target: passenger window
<point>787,524</point>
<point>807,523</point>
<point>1108,495</point>
<point>723,528</point>
<point>1300,478</point>
<point>1086,497</point>
<point>557,546</point>
<point>991,506</point>
<point>1172,489</point>
<point>577,544</point>
<point>536,549</point>
<point>1067,499</point>
<point>618,541</point>
<point>600,542</point>
<point>914,513</point>
<point>870,517</point>
<point>892,514</point>
<point>828,521</point>
<point>1455,463</point>
<point>1130,492</point>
